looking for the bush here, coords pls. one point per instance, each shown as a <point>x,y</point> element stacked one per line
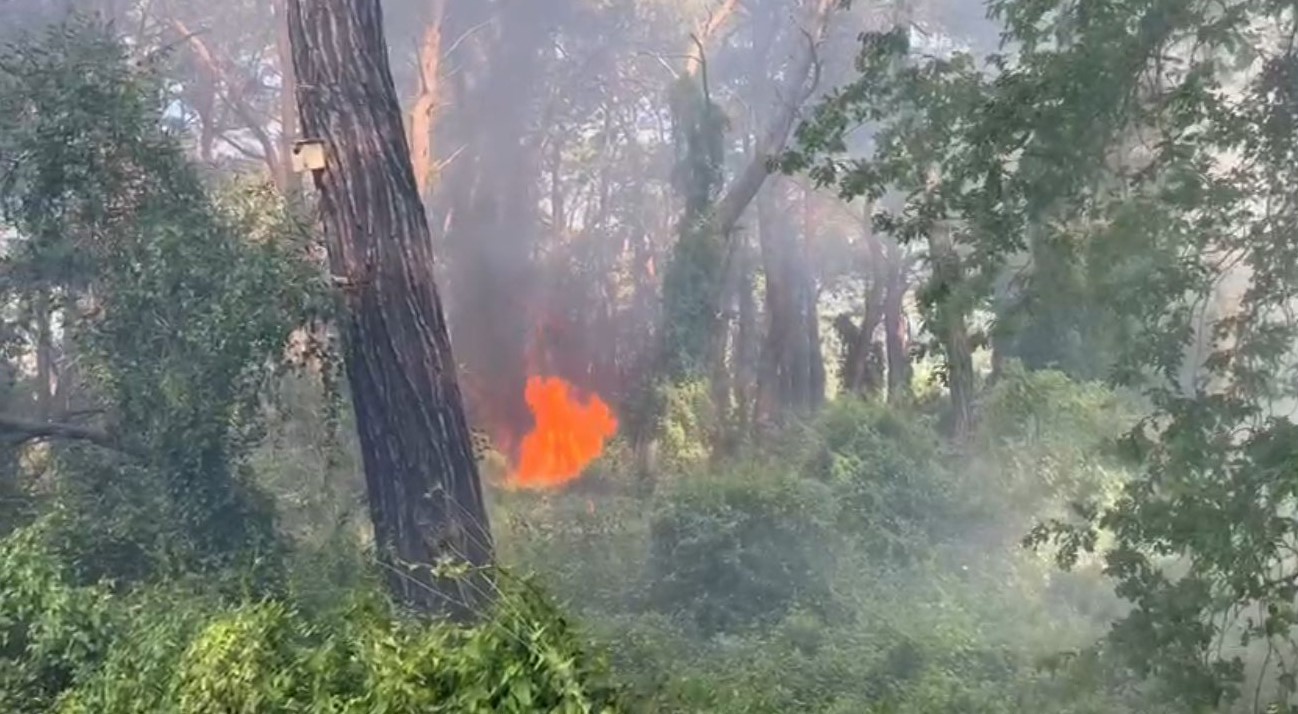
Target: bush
<point>188,648</point>
<point>728,551</point>
<point>50,631</point>
<point>1045,441</point>
<point>893,491</point>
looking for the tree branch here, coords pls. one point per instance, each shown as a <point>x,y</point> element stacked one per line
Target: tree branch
<point>23,430</point>
<point>706,32</point>
<point>232,93</point>
<point>803,78</point>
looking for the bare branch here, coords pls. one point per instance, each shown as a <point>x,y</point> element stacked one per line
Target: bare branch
<point>231,91</point>
<point>706,33</point>
<point>467,34</point>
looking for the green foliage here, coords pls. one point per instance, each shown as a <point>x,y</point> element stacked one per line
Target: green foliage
<point>851,564</point>
<point>1142,154</point>
<point>1057,438</point>
<point>50,631</point>
<point>175,304</point>
<point>895,494</point>
<point>687,423</point>
<point>743,548</point>
<point>184,648</point>
<point>695,271</point>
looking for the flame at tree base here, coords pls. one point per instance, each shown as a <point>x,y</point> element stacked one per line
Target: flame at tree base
<point>568,435</point>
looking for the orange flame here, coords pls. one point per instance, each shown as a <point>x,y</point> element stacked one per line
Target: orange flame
<point>568,435</point>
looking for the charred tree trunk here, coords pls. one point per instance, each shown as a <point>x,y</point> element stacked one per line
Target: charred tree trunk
<point>425,496</point>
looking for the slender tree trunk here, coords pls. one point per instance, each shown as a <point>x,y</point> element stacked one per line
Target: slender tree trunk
<point>44,354</point>
<point>290,184</point>
<point>747,344</point>
<point>725,358</point>
<point>862,372</point>
<point>951,315</point>
<point>810,361</point>
<point>896,338</point>
<point>425,496</point>
<point>793,370</point>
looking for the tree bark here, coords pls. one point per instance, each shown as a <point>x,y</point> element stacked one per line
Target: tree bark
<point>425,495</point>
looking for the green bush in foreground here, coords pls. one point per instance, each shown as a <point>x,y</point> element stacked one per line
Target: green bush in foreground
<point>180,648</point>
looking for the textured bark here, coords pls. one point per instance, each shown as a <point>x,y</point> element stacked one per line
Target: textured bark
<point>425,496</point>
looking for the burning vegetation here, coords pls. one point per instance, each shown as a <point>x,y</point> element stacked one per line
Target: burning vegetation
<point>645,214</point>
<point>569,432</point>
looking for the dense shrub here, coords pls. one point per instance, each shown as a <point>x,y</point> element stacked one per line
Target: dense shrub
<point>854,563</point>
<point>187,648</point>
<point>732,550</point>
<point>50,631</point>
<point>891,487</point>
<point>1045,440</point>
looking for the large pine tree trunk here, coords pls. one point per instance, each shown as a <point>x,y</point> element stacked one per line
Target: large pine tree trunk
<point>425,497</point>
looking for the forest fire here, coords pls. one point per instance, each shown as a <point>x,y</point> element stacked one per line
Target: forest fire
<point>569,433</point>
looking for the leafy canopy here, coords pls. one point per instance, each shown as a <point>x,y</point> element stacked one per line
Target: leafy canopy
<point>1151,145</point>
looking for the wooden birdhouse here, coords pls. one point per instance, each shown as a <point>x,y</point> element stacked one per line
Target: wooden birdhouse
<point>308,155</point>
